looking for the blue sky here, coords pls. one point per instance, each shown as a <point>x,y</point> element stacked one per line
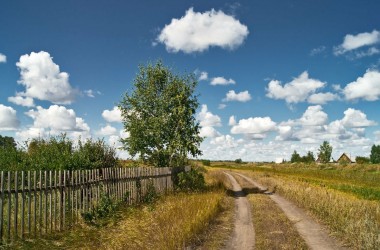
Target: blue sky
<point>274,76</point>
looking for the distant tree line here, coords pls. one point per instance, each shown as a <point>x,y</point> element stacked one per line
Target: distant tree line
<point>325,152</point>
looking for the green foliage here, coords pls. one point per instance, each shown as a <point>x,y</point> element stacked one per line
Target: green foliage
<point>7,143</point>
<point>206,162</point>
<point>308,158</point>
<point>192,180</point>
<point>295,157</point>
<point>375,154</point>
<point>239,161</point>
<point>105,207</point>
<point>151,194</point>
<point>58,153</point>
<point>159,115</point>
<point>362,160</point>
<point>325,151</point>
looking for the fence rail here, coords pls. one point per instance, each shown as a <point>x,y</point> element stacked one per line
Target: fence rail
<point>39,202</point>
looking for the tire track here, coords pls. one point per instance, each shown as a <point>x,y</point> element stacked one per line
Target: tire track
<point>243,237</point>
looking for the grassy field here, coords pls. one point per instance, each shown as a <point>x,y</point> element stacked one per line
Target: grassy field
<point>201,220</point>
<point>345,199</point>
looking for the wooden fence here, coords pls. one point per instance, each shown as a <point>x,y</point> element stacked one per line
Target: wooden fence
<point>40,202</point>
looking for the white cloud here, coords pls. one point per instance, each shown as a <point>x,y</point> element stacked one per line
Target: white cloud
<point>208,119</point>
<point>317,50</point>
<point>355,118</point>
<point>313,116</point>
<point>352,42</point>
<point>203,76</point>
<point>256,125</point>
<point>3,58</point>
<point>322,98</point>
<point>23,101</point>
<point>196,32</point>
<point>113,115</point>
<point>243,96</point>
<point>57,119</point>
<point>366,87</point>
<point>222,106</point>
<point>91,93</point>
<point>298,90</point>
<point>30,133</point>
<point>222,81</point>
<point>8,118</point>
<point>43,79</point>
<point>108,130</point>
<point>208,132</point>
<point>232,121</point>
<point>370,52</point>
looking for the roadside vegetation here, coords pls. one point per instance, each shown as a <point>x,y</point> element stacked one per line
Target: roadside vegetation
<point>200,219</point>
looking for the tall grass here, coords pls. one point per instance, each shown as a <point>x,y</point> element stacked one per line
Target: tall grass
<point>354,220</point>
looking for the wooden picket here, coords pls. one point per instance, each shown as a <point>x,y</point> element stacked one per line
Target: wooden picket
<point>33,203</point>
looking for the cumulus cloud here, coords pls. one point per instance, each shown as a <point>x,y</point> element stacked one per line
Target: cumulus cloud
<point>243,96</point>
<point>57,118</point>
<point>196,32</point>
<point>232,121</point>
<point>54,121</point>
<point>355,118</point>
<point>3,58</point>
<point>43,79</point>
<point>353,42</point>
<point>298,90</point>
<point>322,98</point>
<point>254,125</point>
<point>208,132</point>
<point>313,116</point>
<point>221,81</point>
<point>107,130</point>
<point>8,118</point>
<point>113,115</point>
<point>23,101</point>
<point>208,121</point>
<point>366,87</point>
<point>203,76</point>
<point>206,118</point>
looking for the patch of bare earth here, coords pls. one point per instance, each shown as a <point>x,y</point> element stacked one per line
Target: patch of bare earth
<point>243,236</point>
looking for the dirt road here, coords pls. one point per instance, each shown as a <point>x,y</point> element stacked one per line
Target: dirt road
<point>244,235</point>
<point>315,235</point>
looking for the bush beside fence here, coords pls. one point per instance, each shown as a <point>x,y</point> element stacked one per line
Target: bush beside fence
<point>33,203</point>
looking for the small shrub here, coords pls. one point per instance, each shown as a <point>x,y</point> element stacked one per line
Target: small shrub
<point>206,162</point>
<point>191,181</point>
<point>105,207</point>
<point>238,161</point>
<point>151,194</point>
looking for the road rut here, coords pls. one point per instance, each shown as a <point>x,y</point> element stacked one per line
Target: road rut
<point>244,235</point>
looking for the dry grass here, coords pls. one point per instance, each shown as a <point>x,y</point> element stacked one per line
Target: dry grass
<point>354,220</point>
<point>200,220</point>
<point>273,229</point>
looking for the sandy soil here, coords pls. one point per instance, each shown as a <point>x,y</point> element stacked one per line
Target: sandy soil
<point>315,235</point>
<point>244,235</point>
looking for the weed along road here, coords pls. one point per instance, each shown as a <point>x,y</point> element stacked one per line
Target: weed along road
<point>243,235</point>
<point>314,234</point>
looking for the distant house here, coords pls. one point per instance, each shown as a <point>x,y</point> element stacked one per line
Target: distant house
<point>344,159</point>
